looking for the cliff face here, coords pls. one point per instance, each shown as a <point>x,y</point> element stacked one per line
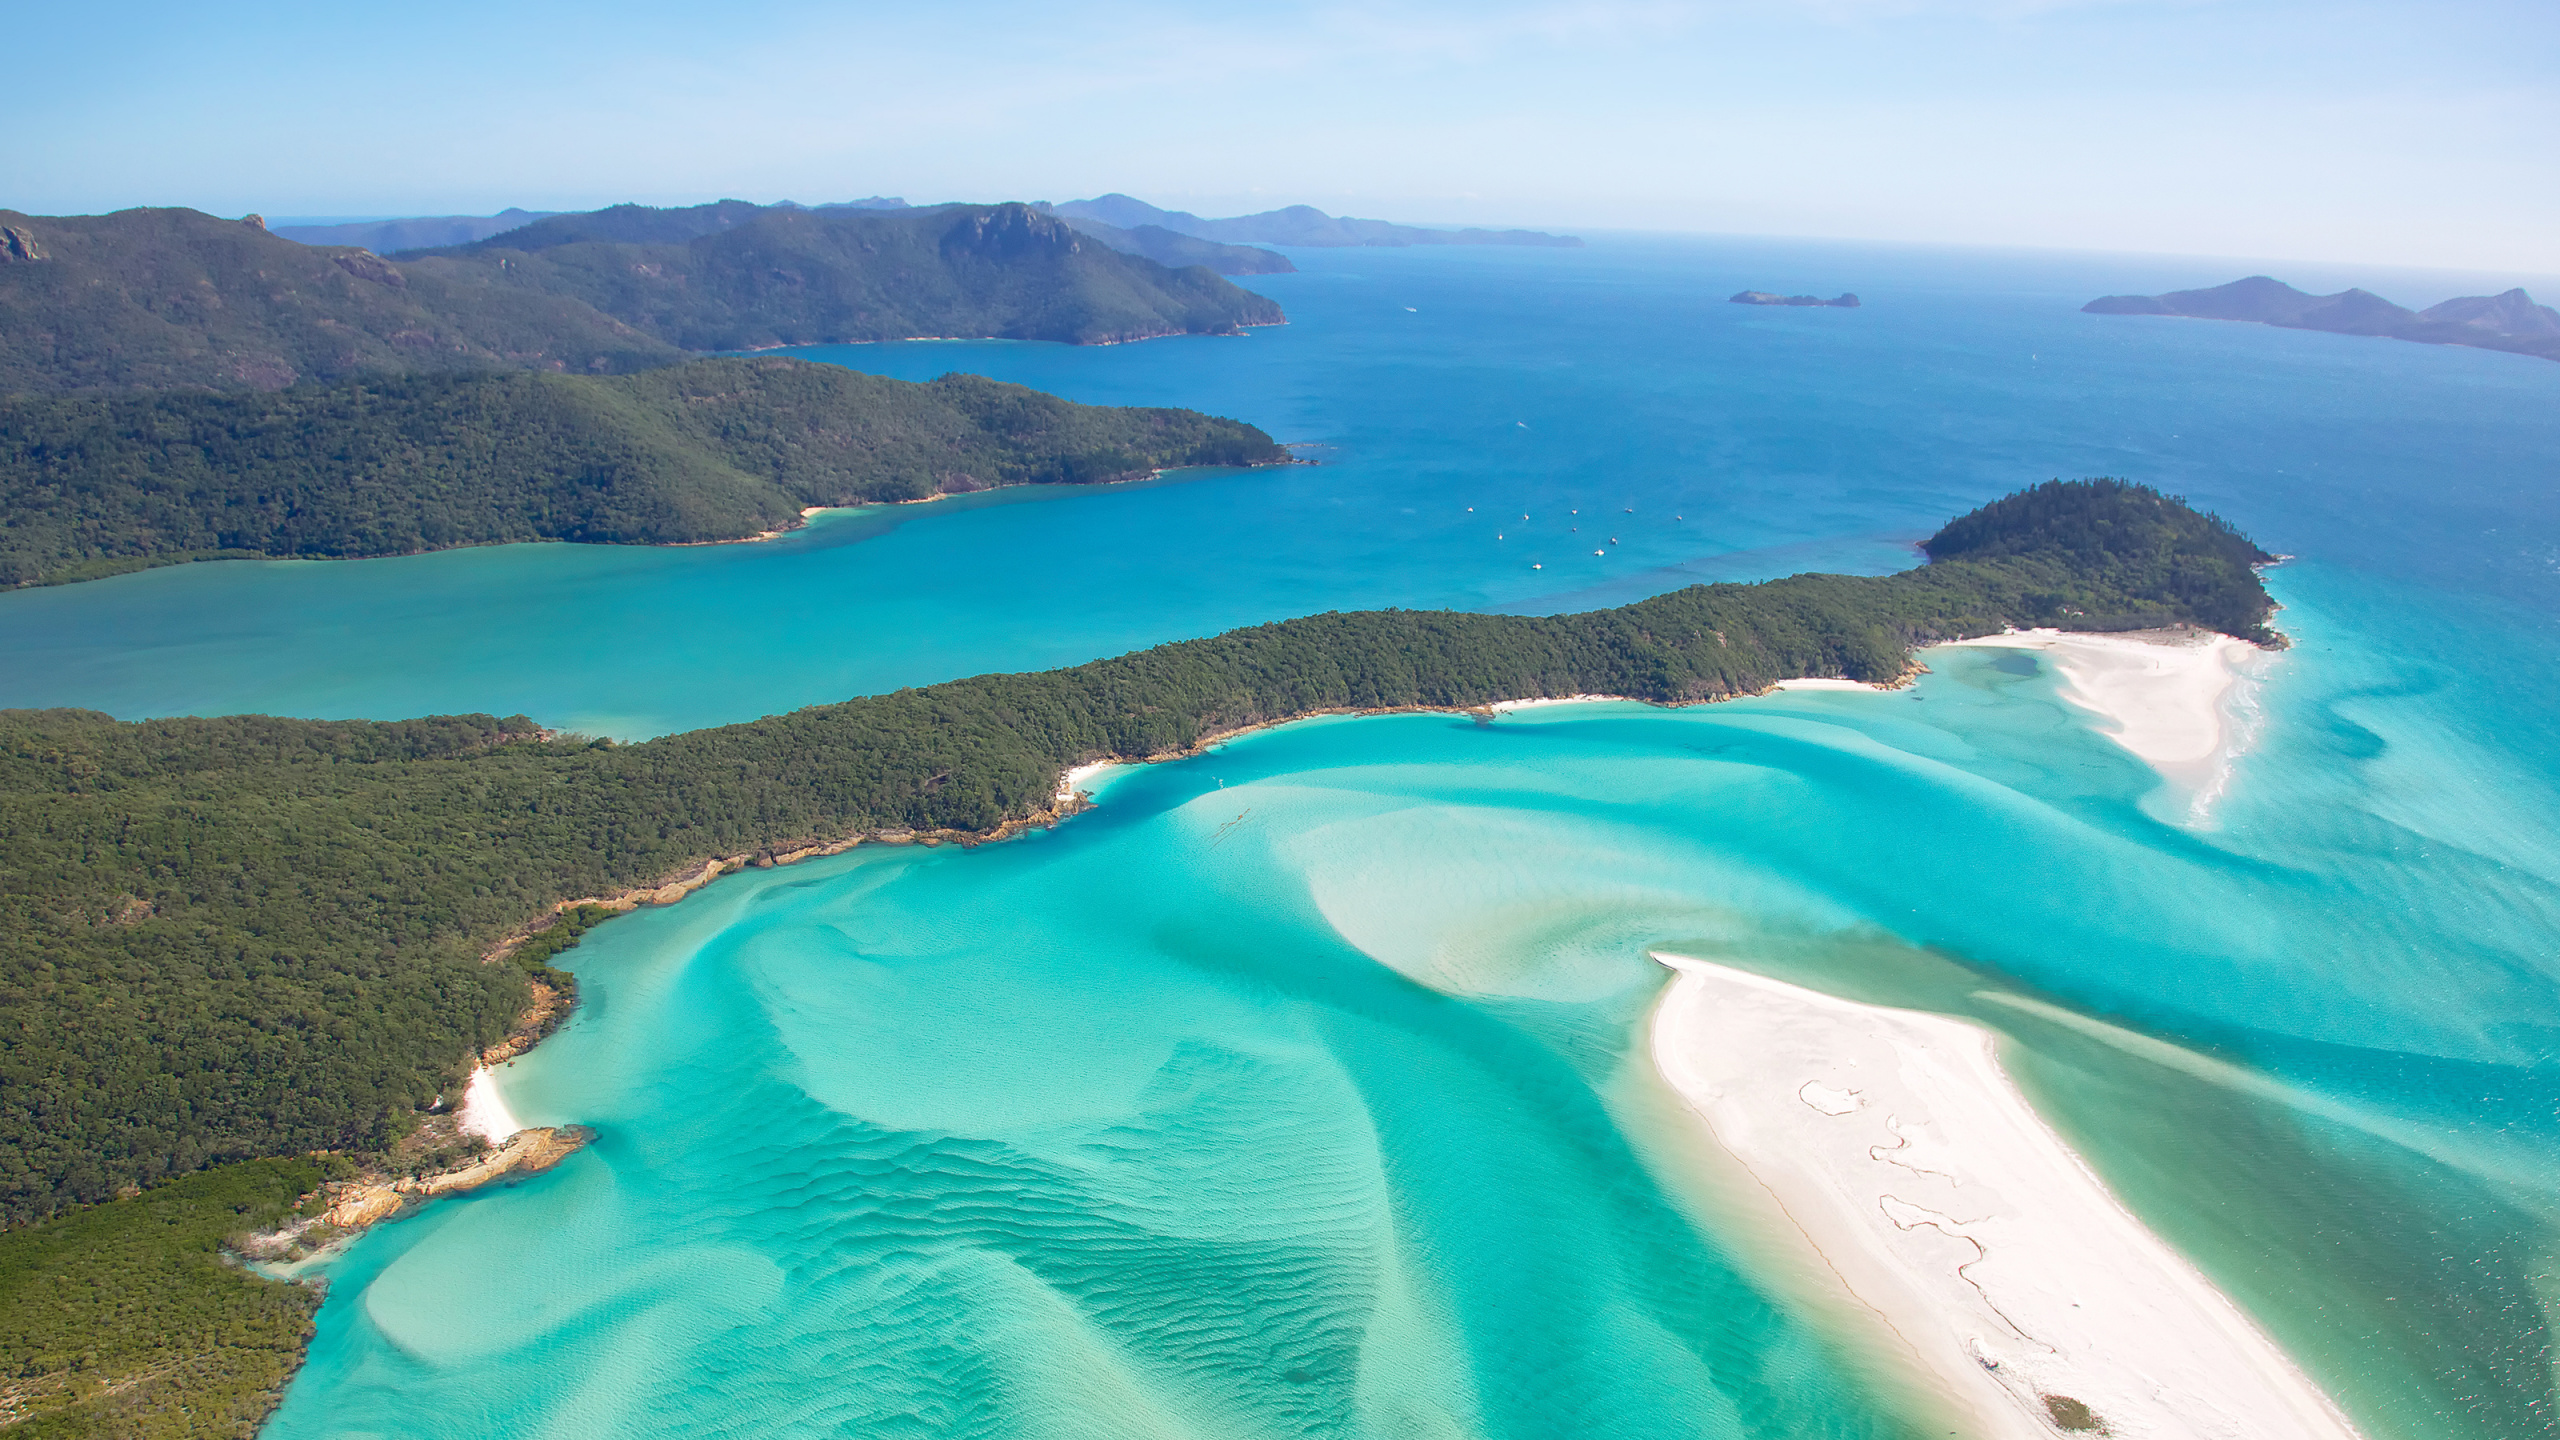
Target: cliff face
<point>2510,321</point>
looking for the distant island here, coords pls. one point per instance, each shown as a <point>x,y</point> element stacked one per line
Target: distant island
<point>1293,225</point>
<point>2510,321</point>
<point>174,298</point>
<point>1763,297</point>
<point>415,233</point>
<point>723,449</point>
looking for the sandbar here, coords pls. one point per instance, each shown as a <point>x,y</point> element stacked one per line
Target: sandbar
<point>1897,1146</point>
<point>2158,693</point>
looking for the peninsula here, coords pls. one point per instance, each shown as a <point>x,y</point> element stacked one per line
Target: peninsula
<point>2509,321</point>
<point>708,450</point>
<point>176,885</point>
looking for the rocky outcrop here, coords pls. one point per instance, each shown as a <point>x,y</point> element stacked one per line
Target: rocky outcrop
<point>18,245</point>
<point>370,1200</point>
<point>365,265</point>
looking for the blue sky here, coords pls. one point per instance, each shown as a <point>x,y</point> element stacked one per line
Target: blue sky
<point>2407,134</point>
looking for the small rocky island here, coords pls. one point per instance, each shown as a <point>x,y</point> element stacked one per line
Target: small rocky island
<point>1763,297</point>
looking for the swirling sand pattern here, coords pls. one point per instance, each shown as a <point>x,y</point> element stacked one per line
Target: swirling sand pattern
<point>1295,1091</point>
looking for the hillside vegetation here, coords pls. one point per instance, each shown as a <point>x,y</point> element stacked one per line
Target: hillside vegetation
<point>122,1319</point>
<point>173,299</point>
<point>710,450</point>
<point>734,276</point>
<point>176,298</point>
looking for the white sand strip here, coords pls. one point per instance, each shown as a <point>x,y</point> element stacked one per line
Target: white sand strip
<point>484,1111</point>
<point>1906,1157</point>
<point>1816,682</point>
<point>1504,707</point>
<point>2157,693</point>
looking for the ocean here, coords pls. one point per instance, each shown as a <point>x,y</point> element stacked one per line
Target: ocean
<point>1299,1089</point>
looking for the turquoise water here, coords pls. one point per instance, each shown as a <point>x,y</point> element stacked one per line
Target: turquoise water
<point>1294,1090</point>
<point>1518,382</point>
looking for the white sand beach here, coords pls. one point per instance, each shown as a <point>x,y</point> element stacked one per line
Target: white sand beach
<point>1896,1145</point>
<point>484,1111</point>
<point>2158,693</point>
<point>1072,783</point>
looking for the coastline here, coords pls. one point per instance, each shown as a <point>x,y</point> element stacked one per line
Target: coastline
<point>1902,1155</point>
<point>519,1151</point>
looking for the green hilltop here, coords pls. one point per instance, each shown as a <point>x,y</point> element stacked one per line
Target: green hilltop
<point>735,276</point>
<point>172,298</point>
<point>709,450</point>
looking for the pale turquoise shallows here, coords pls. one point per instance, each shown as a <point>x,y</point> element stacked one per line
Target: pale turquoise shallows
<point>1287,1092</point>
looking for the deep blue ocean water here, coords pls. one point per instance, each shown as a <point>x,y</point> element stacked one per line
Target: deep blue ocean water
<point>1146,1125</point>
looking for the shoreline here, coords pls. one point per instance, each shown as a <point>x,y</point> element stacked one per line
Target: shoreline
<point>1903,1156</point>
<point>2163,696</point>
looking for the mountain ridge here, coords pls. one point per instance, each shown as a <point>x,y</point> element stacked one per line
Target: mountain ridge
<point>1294,225</point>
<point>174,298</point>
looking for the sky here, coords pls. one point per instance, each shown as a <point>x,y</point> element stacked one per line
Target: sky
<point>2409,134</point>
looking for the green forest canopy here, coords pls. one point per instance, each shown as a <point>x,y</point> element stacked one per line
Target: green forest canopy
<point>176,299</point>
<point>708,450</point>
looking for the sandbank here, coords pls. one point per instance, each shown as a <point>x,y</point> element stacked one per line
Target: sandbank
<point>484,1111</point>
<point>1903,1154</point>
<point>2158,693</point>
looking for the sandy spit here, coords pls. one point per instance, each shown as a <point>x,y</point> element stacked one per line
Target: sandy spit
<point>1908,1160</point>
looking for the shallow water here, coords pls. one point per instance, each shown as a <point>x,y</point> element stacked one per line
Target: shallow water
<point>1292,1092</point>
<point>1285,1094</point>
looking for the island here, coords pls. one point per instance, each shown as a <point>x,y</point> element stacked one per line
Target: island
<point>163,298</point>
<point>2510,321</point>
<point>407,890</point>
<point>705,451</point>
<point>1292,225</point>
<point>1843,301</point>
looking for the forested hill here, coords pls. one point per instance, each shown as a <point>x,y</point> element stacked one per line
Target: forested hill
<point>709,450</point>
<point>249,937</point>
<point>177,298</point>
<point>173,298</point>
<point>736,276</point>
